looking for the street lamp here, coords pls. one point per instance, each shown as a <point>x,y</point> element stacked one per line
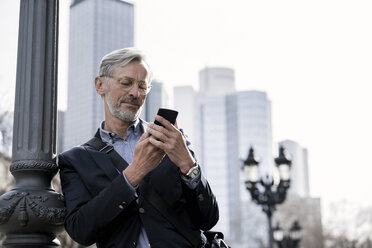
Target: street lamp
<point>272,194</point>
<point>32,213</point>
<point>290,240</point>
<point>278,235</point>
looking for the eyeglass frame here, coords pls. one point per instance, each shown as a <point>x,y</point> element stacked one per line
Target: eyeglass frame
<point>128,88</point>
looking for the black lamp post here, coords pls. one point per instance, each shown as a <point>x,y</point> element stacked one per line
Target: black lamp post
<point>32,213</point>
<point>290,240</point>
<point>272,194</point>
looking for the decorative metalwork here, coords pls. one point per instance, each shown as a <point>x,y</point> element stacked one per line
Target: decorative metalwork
<point>33,164</point>
<point>49,215</point>
<point>53,216</point>
<point>7,212</point>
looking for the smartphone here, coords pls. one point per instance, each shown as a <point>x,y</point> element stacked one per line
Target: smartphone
<point>168,114</point>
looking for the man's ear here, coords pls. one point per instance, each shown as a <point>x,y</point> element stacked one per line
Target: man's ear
<point>99,84</point>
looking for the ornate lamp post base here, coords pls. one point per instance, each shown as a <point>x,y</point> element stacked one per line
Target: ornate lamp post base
<point>32,213</point>
<point>25,216</point>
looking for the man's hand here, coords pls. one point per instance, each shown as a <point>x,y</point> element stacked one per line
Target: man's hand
<point>170,140</point>
<point>146,158</point>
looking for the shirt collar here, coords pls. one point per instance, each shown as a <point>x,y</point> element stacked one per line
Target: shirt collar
<point>136,128</point>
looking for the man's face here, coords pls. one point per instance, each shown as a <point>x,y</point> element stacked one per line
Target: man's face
<point>125,102</point>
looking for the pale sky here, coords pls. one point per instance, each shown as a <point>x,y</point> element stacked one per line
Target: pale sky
<point>313,58</point>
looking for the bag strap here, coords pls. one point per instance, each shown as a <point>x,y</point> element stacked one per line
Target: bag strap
<point>101,146</point>
<point>149,193</point>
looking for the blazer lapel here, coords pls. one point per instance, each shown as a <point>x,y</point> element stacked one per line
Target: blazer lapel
<point>104,162</point>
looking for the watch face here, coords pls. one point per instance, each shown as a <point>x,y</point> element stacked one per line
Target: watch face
<point>194,172</point>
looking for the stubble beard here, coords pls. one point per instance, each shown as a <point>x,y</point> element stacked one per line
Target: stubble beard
<point>124,115</point>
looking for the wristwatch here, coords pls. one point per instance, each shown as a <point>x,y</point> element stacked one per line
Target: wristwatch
<point>193,172</point>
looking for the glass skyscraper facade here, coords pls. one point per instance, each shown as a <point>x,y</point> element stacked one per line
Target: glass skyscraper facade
<point>216,132</point>
<point>97,27</point>
<point>299,170</point>
<point>157,98</point>
<point>254,130</point>
<point>254,121</point>
<point>185,103</point>
<point>218,153</point>
<point>216,81</point>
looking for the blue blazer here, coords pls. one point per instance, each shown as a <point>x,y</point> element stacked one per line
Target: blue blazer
<point>102,209</point>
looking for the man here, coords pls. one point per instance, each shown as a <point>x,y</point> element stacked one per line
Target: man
<point>107,206</point>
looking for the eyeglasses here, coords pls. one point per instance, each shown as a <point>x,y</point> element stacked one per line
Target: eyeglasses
<point>128,83</point>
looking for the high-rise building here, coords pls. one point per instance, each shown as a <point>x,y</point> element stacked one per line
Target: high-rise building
<point>299,205</point>
<point>299,169</point>
<point>97,27</point>
<point>218,153</point>
<point>216,122</point>
<point>254,127</point>
<point>185,103</point>
<point>216,81</point>
<point>254,130</point>
<point>157,98</point>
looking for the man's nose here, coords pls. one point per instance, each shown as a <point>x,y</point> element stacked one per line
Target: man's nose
<point>134,91</point>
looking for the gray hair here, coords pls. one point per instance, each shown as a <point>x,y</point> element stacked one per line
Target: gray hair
<point>120,58</point>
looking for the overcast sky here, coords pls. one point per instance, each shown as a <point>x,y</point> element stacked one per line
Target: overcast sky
<point>313,58</point>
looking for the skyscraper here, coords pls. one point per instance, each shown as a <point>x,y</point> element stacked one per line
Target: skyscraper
<point>218,153</point>
<point>299,204</point>
<point>185,102</point>
<point>254,130</point>
<point>217,144</point>
<point>215,81</point>
<point>97,27</point>
<point>299,169</point>
<point>157,98</point>
<point>254,114</point>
